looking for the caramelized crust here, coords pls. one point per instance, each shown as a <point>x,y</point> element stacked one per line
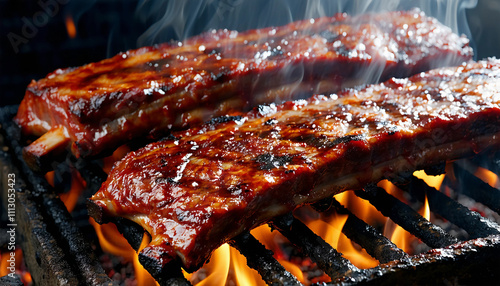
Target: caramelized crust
<point>205,185</point>
<point>147,91</point>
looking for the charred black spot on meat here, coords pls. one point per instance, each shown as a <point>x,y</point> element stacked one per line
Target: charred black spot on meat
<point>268,161</point>
<point>223,119</point>
<point>274,53</point>
<point>389,106</point>
<point>317,141</point>
<point>271,121</point>
<point>213,51</point>
<point>392,130</point>
<point>238,189</point>
<point>169,137</point>
<point>329,36</point>
<point>163,180</point>
<point>234,189</point>
<point>345,139</point>
<point>165,88</point>
<point>220,76</point>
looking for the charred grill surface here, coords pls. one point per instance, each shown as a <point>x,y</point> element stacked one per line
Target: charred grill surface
<point>55,250</point>
<point>147,91</point>
<point>205,185</point>
<point>377,245</point>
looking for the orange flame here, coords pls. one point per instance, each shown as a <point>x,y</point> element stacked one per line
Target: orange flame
<point>361,208</point>
<point>391,189</point>
<point>49,176</point>
<point>487,176</point>
<point>214,272</point>
<point>118,154</point>
<point>330,229</point>
<point>244,275</point>
<point>227,264</point>
<point>273,240</point>
<point>70,198</point>
<point>113,242</point>
<point>433,181</point>
<point>426,212</point>
<point>398,235</point>
<point>70,26</point>
<point>402,238</point>
<point>6,262</point>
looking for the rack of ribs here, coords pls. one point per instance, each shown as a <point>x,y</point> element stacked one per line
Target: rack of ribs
<point>148,92</point>
<point>200,187</point>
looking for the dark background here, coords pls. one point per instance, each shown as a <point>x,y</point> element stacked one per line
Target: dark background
<point>34,40</point>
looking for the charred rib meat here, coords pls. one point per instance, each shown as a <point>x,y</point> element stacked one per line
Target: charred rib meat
<point>144,92</point>
<point>207,184</point>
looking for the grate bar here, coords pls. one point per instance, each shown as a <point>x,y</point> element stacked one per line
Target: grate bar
<point>262,260</point>
<point>47,221</point>
<point>375,244</point>
<point>472,222</point>
<point>456,264</point>
<point>90,171</point>
<point>406,217</point>
<point>166,275</point>
<point>489,159</point>
<point>327,258</point>
<point>477,189</point>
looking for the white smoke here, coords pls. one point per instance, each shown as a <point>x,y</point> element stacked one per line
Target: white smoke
<point>177,20</point>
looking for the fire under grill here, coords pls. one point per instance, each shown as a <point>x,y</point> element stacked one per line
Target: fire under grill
<point>59,250</point>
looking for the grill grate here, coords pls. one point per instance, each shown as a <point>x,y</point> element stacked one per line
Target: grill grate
<point>57,251</point>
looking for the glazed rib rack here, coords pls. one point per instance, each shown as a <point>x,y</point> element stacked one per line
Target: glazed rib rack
<point>152,90</point>
<point>57,251</point>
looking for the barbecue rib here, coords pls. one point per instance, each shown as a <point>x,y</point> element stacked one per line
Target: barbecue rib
<point>147,91</point>
<point>203,186</point>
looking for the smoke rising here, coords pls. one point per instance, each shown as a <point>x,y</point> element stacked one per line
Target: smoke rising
<point>178,20</point>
